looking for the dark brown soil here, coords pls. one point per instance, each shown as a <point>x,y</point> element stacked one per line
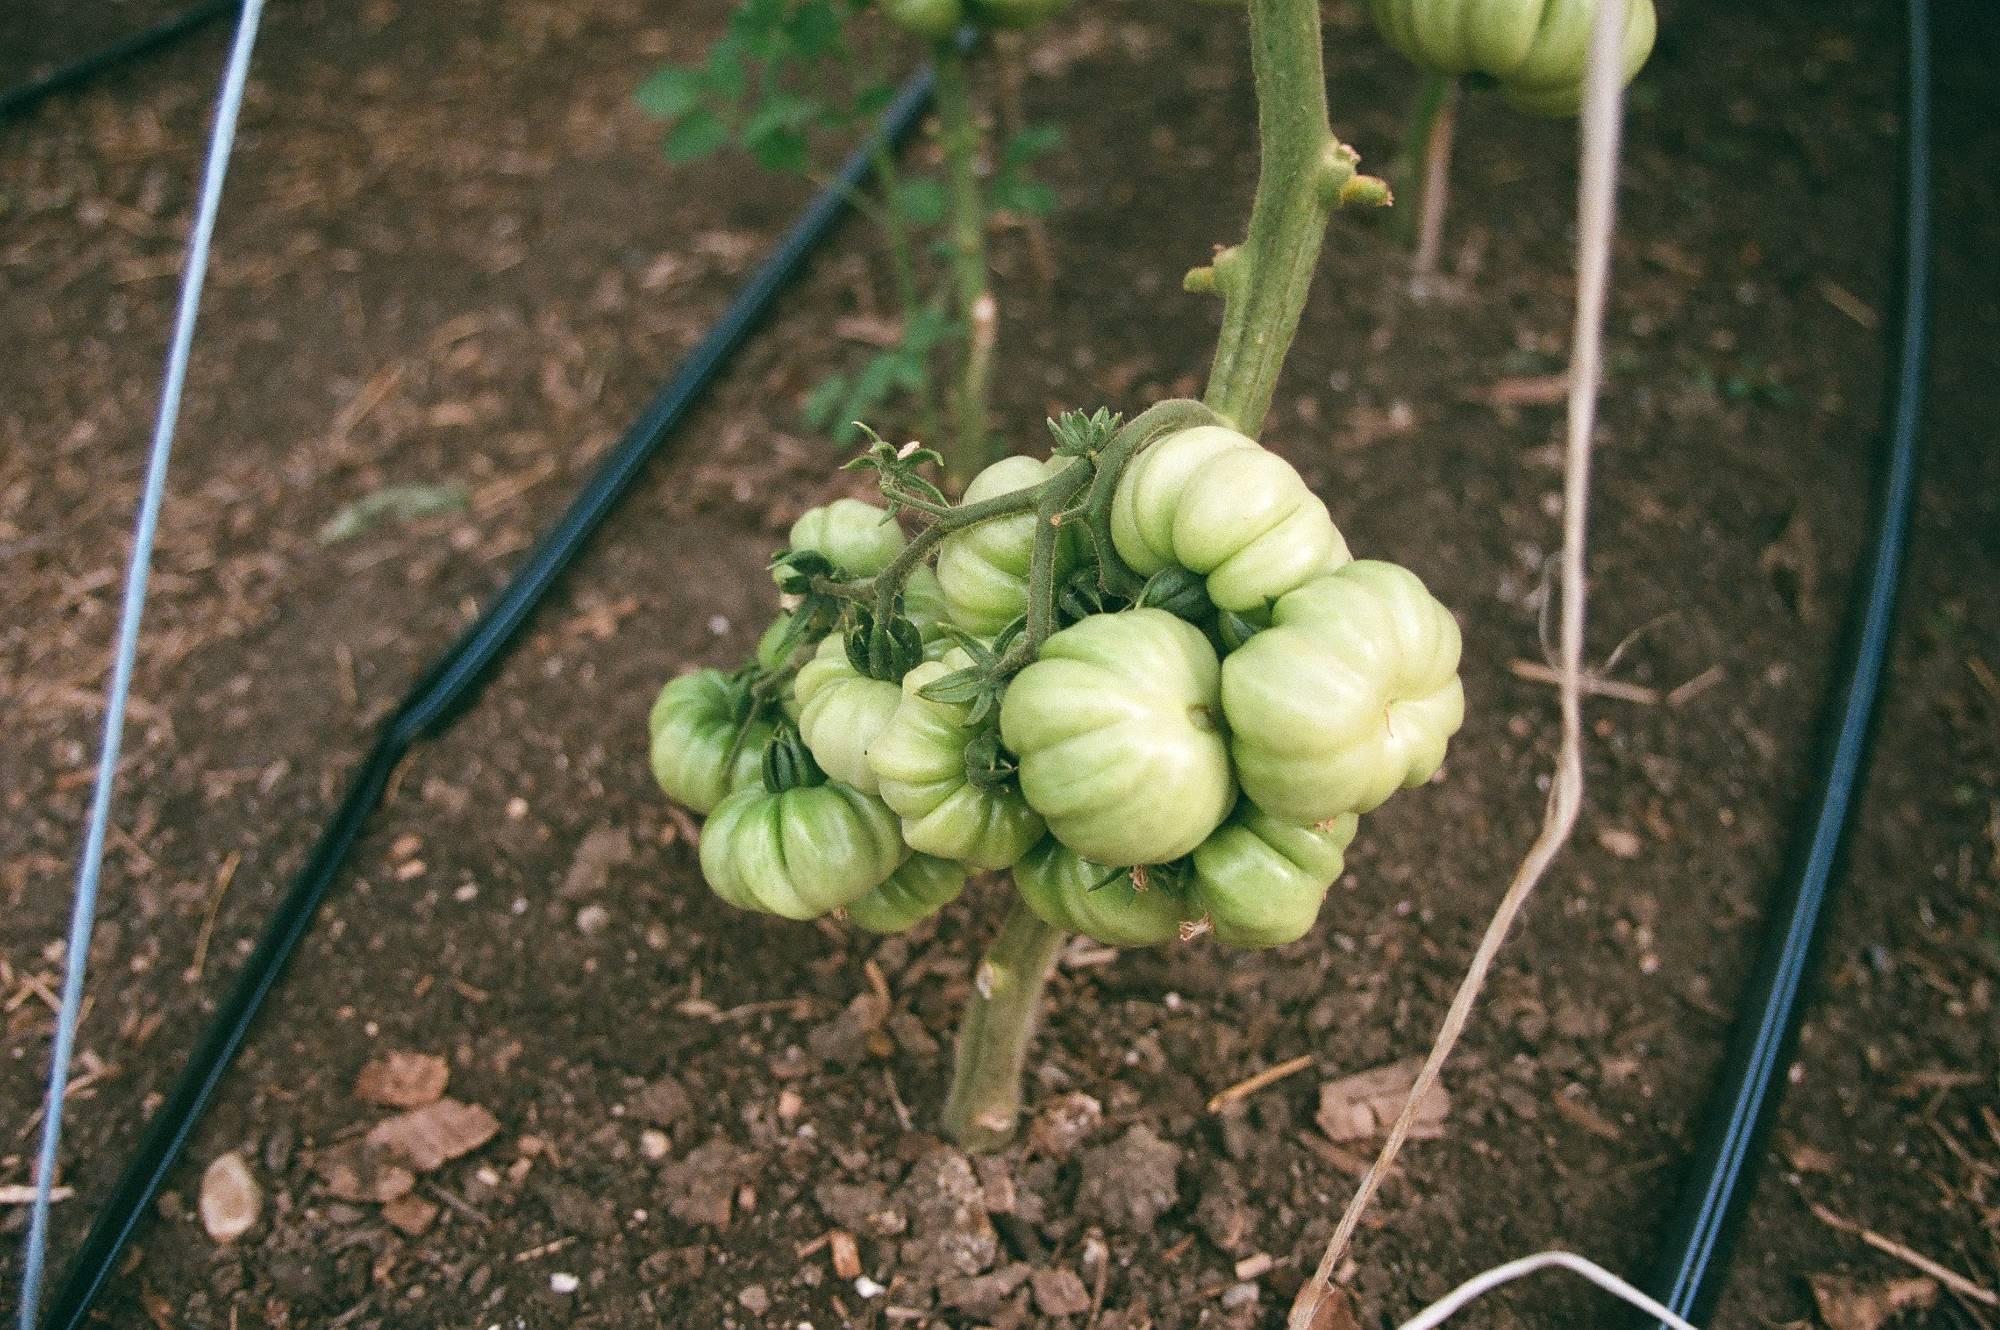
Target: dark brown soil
<point>451,252</point>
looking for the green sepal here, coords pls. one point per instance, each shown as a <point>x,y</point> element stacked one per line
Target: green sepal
<point>1180,592</point>
<point>789,764</point>
<point>886,651</point>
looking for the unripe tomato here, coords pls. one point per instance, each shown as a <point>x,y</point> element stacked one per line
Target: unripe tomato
<point>1070,893</point>
<point>1350,694</point>
<point>1537,50</point>
<point>919,760</point>
<point>1217,503</point>
<point>936,19</point>
<point>859,538</point>
<point>801,852</point>
<point>1261,881</point>
<point>923,603</point>
<point>983,570</point>
<point>1015,13</point>
<point>841,711</point>
<point>914,892</point>
<point>1119,732</point>
<point>694,750</point>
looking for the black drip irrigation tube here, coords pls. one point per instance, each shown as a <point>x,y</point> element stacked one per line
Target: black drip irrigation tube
<point>164,33</point>
<point>1708,1219</point>
<point>444,692</point>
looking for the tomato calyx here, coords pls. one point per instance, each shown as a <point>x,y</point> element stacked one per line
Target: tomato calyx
<point>884,649</point>
<point>789,764</point>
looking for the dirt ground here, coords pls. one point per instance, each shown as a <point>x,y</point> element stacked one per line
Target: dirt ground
<point>451,252</point>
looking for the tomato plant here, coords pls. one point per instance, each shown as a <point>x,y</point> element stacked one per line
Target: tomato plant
<point>1142,674</point>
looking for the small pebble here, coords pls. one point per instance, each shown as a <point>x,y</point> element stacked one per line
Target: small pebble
<point>592,920</point>
<point>867,1287</point>
<point>755,1300</point>
<point>562,1281</point>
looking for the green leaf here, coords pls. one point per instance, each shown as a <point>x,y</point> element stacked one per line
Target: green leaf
<point>1030,143</point>
<point>824,402</point>
<point>696,136</point>
<point>919,201</point>
<point>672,92</point>
<point>728,80</point>
<point>814,30</point>
<point>1014,194</point>
<point>775,131</point>
<point>873,100</point>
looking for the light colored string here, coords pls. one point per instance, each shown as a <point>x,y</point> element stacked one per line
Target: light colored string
<point>1480,1285</point>
<point>1597,190</point>
<point>83,912</point>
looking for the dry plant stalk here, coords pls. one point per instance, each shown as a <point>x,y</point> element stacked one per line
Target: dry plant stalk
<point>1596,196</point>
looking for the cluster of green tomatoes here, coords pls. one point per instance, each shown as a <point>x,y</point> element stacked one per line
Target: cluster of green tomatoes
<point>1189,756</point>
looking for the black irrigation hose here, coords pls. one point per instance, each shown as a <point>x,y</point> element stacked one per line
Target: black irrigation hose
<point>1709,1216</point>
<point>18,99</point>
<point>438,698</point>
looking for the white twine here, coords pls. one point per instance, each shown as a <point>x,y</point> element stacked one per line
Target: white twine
<point>83,911</point>
<point>1596,200</point>
<point>1480,1285</point>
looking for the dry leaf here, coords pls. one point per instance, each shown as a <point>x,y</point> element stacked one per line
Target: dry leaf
<point>357,1171</point>
<point>601,850</point>
<point>410,1214</point>
<point>427,1137</point>
<point>1361,1106</point>
<point>1846,1303</point>
<point>1333,1311</point>
<point>231,1200</point>
<point>403,1080</point>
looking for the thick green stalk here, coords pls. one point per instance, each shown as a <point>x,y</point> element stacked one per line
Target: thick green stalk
<point>985,1101</point>
<point>959,138</point>
<point>1302,168</point>
<point>903,270</point>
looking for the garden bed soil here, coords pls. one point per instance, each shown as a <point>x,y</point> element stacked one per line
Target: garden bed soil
<point>451,252</point>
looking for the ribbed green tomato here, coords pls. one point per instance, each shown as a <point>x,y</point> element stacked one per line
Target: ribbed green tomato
<point>1015,13</point>
<point>1118,729</point>
<point>1261,881</point>
<point>1537,50</point>
<point>924,606</point>
<point>1064,890</point>
<point>859,538</point>
<point>916,891</point>
<point>936,19</point>
<point>693,727</point>
<point>841,711</point>
<point>1350,694</point>
<point>1217,503</point>
<point>799,853</point>
<point>983,570</point>
<point>919,760</point>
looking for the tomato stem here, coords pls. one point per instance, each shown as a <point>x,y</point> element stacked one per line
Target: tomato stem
<point>984,1106</point>
<point>1302,173</point>
<point>958,138</point>
<point>1427,165</point>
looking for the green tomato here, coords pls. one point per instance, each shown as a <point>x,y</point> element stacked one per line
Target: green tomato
<point>802,852</point>
<point>1261,881</point>
<point>858,538</point>
<point>936,19</point>
<point>1217,503</point>
<point>914,892</point>
<point>983,570</point>
<point>919,760</point>
<point>1350,694</point>
<point>1537,50</point>
<point>1118,728</point>
<point>693,727</point>
<point>1015,13</point>
<point>924,604</point>
<point>1071,893</point>
<point>841,711</point>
